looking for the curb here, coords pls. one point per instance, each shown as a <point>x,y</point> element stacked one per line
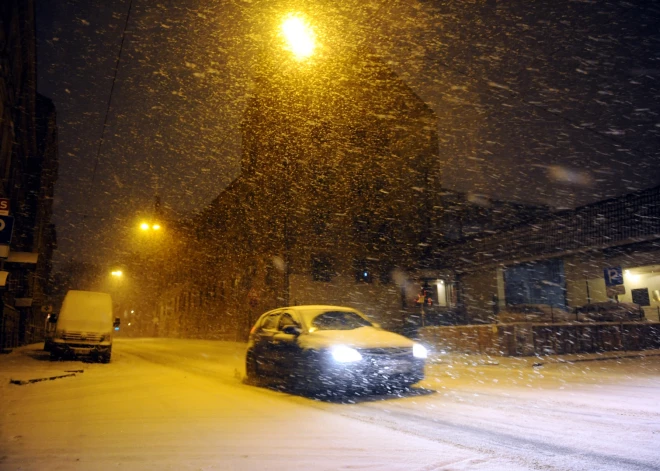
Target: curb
<point>651,353</point>
<point>534,361</point>
<point>22,382</point>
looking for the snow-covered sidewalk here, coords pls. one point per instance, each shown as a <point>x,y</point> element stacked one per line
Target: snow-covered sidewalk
<point>32,364</point>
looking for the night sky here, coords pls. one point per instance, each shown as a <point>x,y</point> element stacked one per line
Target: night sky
<point>547,102</point>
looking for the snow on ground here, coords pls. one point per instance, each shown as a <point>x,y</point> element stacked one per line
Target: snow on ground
<point>181,405</point>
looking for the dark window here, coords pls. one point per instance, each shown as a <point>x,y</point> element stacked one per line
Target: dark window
<point>322,268</point>
<point>358,137</point>
<point>339,320</point>
<point>641,296</point>
<point>363,273</point>
<point>269,278</point>
<point>320,222</point>
<point>270,322</point>
<point>385,275</point>
<point>321,133</point>
<point>286,320</point>
<point>536,283</point>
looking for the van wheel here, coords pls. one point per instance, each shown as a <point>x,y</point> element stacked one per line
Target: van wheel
<point>54,356</point>
<point>105,358</point>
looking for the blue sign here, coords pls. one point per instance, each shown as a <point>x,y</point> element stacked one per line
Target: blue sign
<point>613,276</point>
<point>6,229</point>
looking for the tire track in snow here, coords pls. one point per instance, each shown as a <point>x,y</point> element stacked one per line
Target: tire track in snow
<point>525,451</point>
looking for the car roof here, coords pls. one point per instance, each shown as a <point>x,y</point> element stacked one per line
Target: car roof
<point>316,307</point>
<point>309,307</point>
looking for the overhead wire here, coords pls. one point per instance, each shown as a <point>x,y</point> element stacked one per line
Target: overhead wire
<point>112,89</point>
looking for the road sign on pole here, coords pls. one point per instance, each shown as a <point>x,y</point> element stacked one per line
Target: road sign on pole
<point>613,276</point>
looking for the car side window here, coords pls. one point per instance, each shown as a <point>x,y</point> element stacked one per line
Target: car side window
<point>270,322</point>
<point>287,319</point>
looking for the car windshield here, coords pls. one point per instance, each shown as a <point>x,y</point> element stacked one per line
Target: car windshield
<point>336,320</point>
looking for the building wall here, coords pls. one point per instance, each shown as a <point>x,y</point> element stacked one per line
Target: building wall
<point>621,232</point>
<point>650,281</point>
<point>479,292</point>
<point>643,266</point>
<point>581,270</point>
<point>28,170</point>
<point>381,302</point>
<point>337,172</point>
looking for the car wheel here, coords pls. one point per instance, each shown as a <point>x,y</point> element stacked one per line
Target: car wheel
<point>55,356</point>
<point>252,375</point>
<point>408,381</point>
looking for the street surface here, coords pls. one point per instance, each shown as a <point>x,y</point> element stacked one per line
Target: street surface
<point>165,404</point>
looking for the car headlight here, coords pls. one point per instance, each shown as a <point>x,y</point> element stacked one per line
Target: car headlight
<point>344,354</point>
<point>420,351</point>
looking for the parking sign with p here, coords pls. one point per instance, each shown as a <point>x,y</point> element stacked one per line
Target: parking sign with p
<point>613,276</point>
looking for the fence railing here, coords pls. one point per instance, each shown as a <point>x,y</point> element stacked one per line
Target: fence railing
<point>525,339</point>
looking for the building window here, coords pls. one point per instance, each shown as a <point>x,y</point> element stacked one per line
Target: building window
<point>541,282</point>
<point>269,277</point>
<point>322,268</point>
<point>363,273</point>
<point>385,274</point>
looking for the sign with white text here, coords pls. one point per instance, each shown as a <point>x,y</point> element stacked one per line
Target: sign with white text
<point>4,206</point>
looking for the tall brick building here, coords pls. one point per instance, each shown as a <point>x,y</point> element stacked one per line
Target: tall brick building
<point>28,171</point>
<point>334,203</point>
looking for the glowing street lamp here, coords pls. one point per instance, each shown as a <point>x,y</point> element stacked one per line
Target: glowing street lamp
<point>299,36</point>
<point>145,226</point>
<point>117,273</point>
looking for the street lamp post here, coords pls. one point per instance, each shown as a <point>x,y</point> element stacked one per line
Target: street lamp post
<point>300,40</point>
<point>151,255</point>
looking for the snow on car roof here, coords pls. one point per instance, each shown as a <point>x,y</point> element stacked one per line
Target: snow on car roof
<point>317,307</point>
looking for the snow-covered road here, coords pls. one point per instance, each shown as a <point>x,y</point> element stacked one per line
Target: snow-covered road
<point>181,405</point>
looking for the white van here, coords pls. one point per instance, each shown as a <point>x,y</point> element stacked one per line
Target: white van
<point>85,326</point>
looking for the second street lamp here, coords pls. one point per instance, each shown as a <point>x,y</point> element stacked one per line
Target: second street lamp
<point>145,226</point>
